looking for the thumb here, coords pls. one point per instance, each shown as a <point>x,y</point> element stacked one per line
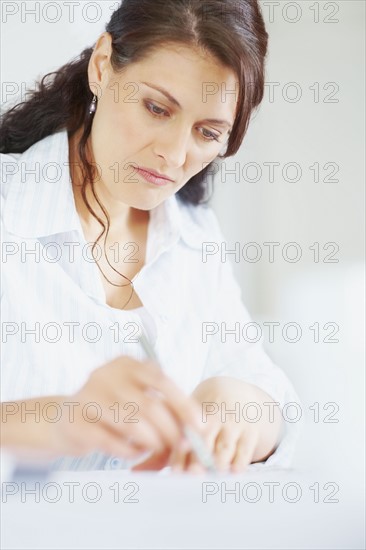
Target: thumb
<point>156,461</point>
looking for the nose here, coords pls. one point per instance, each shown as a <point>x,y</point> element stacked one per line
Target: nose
<point>173,147</point>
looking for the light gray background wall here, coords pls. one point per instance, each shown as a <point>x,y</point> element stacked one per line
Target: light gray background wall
<point>316,46</point>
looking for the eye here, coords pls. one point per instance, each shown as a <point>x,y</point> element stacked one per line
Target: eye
<point>156,111</point>
<point>152,108</point>
<point>209,136</point>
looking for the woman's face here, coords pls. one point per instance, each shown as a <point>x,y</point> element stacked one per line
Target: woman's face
<point>135,125</point>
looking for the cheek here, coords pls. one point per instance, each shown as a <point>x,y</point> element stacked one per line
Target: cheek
<point>199,163</point>
<point>116,137</point>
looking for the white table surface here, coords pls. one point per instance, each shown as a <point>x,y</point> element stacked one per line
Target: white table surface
<point>170,512</point>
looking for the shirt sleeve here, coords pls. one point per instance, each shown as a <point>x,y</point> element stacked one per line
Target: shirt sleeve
<point>241,355</point>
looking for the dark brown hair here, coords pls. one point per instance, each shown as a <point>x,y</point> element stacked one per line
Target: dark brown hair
<point>233,31</point>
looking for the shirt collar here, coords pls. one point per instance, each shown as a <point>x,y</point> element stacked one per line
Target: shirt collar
<point>40,201</point>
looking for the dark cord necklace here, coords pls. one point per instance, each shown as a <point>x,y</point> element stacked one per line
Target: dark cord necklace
<point>114,269</point>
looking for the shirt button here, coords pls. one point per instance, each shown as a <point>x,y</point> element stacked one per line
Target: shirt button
<point>114,463</point>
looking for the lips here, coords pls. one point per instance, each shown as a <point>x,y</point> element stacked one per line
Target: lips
<point>152,178</point>
<point>154,173</point>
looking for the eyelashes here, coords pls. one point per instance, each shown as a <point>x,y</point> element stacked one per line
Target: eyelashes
<point>151,106</point>
<point>151,109</point>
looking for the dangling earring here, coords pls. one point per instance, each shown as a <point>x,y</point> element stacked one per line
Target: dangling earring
<point>93,105</point>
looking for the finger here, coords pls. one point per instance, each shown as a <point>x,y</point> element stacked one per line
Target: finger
<point>179,461</point>
<point>144,436</point>
<point>184,407</point>
<point>141,432</point>
<point>157,416</point>
<point>244,453</point>
<point>225,448</point>
<point>109,443</point>
<point>153,426</point>
<point>179,455</point>
<point>210,436</point>
<point>82,440</point>
<point>193,463</point>
<point>155,462</point>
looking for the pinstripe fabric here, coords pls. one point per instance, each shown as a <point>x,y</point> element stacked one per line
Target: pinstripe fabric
<point>50,286</point>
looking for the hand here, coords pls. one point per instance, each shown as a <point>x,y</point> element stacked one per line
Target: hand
<point>161,409</point>
<point>234,442</point>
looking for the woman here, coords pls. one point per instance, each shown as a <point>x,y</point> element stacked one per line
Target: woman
<point>115,150</point>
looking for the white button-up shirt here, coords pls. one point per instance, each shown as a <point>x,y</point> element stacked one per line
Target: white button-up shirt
<point>57,327</point>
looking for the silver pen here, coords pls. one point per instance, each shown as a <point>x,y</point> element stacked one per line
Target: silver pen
<point>196,441</point>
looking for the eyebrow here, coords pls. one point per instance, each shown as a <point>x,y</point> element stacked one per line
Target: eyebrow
<point>177,104</point>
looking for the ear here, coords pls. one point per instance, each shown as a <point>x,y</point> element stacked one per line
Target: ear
<point>99,68</point>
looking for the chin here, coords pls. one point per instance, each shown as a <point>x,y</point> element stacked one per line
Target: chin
<point>146,204</point>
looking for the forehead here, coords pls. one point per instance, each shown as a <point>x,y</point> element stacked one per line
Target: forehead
<point>193,77</point>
